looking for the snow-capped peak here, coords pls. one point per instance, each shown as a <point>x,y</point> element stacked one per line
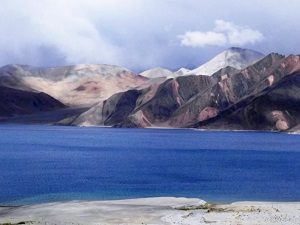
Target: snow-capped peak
<point>157,72</point>
<point>237,58</point>
<point>182,71</point>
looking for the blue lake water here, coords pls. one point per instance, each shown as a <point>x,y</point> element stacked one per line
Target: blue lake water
<point>48,163</point>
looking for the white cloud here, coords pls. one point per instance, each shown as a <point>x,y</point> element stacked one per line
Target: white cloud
<point>201,39</point>
<point>238,35</point>
<point>224,33</point>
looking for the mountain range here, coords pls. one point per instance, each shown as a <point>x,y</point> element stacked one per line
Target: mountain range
<point>239,89</point>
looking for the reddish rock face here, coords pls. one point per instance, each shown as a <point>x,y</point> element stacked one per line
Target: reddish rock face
<point>208,113</point>
<point>271,79</point>
<point>281,120</point>
<point>282,125</point>
<point>278,115</point>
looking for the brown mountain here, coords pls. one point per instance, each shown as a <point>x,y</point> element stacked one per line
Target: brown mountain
<point>264,95</point>
<point>76,86</point>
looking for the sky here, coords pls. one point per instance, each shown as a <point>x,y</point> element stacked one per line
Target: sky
<point>141,34</point>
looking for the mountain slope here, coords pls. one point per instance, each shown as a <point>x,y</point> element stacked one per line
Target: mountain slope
<point>155,103</point>
<point>237,58</point>
<point>264,95</point>
<point>275,109</point>
<point>78,85</point>
<point>17,102</point>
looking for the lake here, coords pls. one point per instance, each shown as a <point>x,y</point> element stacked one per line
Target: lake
<point>41,163</point>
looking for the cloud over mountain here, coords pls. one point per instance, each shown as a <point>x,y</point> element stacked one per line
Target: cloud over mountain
<point>224,33</point>
<point>141,34</point>
<point>63,26</point>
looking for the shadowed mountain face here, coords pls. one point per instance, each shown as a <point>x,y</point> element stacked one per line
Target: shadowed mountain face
<point>276,108</point>
<point>119,107</point>
<point>17,102</point>
<point>264,95</point>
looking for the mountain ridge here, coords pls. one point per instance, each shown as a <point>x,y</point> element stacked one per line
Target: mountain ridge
<point>260,96</point>
<point>78,85</point>
<point>171,105</point>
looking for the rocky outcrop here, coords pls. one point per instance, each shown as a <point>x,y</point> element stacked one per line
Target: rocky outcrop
<point>224,73</point>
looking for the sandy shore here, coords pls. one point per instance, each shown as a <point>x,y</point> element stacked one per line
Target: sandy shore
<point>153,211</point>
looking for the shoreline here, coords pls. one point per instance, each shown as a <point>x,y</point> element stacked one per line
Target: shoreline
<point>158,210</point>
<point>153,128</point>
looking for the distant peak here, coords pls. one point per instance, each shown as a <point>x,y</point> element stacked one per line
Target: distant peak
<point>157,72</point>
<point>238,58</point>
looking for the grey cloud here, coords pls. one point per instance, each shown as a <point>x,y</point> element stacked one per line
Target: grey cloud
<point>138,34</point>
